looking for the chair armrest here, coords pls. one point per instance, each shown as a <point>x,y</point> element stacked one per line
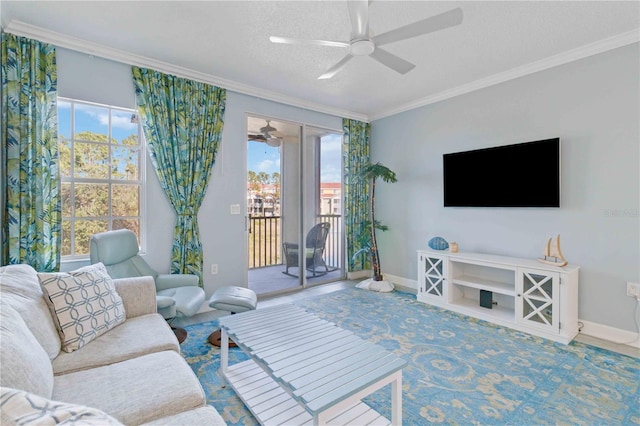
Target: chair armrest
<point>290,246</point>
<point>138,295</point>
<point>165,281</point>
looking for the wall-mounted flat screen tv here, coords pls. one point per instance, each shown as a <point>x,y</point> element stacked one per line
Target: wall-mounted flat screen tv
<point>520,175</point>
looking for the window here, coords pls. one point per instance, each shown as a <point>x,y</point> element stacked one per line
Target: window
<point>102,172</point>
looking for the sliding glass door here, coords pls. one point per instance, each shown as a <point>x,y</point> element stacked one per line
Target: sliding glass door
<point>294,206</point>
<point>273,202</point>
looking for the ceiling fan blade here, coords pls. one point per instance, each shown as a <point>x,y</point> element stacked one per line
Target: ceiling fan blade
<point>287,40</point>
<point>425,26</point>
<point>337,67</point>
<point>359,14</point>
<point>392,61</point>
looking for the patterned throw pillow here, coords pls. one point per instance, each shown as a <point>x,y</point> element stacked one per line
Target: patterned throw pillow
<point>20,408</point>
<point>84,304</point>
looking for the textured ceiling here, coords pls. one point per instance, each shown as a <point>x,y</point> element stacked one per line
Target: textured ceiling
<point>229,40</point>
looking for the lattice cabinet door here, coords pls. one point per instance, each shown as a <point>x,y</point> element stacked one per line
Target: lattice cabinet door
<point>538,299</point>
<point>432,277</point>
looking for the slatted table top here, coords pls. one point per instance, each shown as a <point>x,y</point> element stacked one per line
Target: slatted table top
<point>318,363</point>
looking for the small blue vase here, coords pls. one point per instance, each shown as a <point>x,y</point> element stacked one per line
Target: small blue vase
<point>438,243</point>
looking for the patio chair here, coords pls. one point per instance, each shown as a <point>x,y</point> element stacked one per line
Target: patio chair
<point>314,250</point>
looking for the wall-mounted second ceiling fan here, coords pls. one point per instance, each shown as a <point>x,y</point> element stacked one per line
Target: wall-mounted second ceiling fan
<point>362,42</point>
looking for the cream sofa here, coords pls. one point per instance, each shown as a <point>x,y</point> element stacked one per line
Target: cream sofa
<point>133,374</point>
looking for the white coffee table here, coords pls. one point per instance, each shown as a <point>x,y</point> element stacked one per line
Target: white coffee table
<point>305,370</point>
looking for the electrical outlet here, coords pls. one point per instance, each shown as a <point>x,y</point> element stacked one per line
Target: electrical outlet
<point>214,268</point>
<point>633,289</point>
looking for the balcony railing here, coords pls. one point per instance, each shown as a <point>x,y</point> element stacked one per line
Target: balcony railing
<point>333,248</point>
<point>265,241</point>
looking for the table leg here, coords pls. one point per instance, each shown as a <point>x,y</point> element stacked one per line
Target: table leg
<point>320,419</point>
<point>396,400</point>
<point>224,357</point>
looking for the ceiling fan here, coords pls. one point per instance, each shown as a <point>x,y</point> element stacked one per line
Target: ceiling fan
<point>363,43</point>
<point>267,136</point>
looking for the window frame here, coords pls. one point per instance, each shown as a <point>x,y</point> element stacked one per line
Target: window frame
<point>110,181</point>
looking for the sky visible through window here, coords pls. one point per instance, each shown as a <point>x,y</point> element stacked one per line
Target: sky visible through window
<point>331,158</point>
<point>264,158</point>
<point>96,120</point>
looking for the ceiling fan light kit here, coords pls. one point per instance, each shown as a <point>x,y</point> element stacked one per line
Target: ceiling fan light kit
<point>266,130</point>
<point>361,47</point>
<point>363,44</point>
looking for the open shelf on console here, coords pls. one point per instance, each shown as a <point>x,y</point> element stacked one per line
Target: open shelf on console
<point>498,312</point>
<point>498,279</point>
<point>486,284</point>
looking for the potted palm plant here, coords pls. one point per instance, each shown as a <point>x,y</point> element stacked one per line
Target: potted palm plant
<point>368,243</point>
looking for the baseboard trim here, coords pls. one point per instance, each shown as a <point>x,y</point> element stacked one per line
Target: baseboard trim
<point>410,286</point>
<point>610,334</point>
<point>356,275</point>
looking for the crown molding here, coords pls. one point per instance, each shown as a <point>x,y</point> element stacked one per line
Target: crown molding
<point>73,43</point>
<point>585,51</point>
<point>77,44</point>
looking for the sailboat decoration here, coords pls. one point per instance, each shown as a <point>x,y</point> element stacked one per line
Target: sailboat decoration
<point>553,254</point>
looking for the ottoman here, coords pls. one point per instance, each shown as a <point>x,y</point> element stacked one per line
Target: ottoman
<point>232,299</point>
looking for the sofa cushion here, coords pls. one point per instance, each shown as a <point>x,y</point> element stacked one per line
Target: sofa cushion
<point>206,415</point>
<point>24,364</point>
<point>135,391</point>
<point>20,288</point>
<point>84,304</point>
<point>18,407</point>
<point>129,340</point>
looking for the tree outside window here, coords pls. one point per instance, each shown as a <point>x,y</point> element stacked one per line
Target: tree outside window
<point>101,168</point>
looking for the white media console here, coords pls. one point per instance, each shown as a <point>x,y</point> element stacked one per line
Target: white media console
<point>522,294</point>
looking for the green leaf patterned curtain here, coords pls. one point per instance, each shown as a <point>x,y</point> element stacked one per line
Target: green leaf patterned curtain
<point>31,225</point>
<point>182,121</point>
<point>355,139</point>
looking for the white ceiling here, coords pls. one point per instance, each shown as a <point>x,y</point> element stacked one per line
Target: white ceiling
<point>227,42</point>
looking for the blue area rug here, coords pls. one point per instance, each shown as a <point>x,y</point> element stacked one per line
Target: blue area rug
<point>460,370</point>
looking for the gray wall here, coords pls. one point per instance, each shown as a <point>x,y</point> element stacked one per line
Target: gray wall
<point>593,106</point>
<point>223,237</point>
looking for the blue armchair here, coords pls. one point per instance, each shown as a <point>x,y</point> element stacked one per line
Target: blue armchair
<point>176,294</point>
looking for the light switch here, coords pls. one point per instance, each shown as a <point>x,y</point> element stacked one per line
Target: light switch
<point>235,208</point>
